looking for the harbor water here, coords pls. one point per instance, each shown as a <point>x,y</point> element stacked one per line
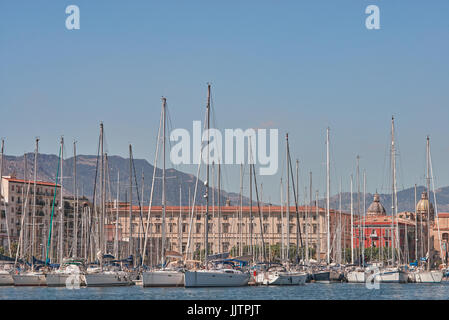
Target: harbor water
<point>310,291</point>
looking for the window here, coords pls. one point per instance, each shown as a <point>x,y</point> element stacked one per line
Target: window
<point>265,227</point>
<point>279,228</point>
<point>198,228</point>
<point>225,227</point>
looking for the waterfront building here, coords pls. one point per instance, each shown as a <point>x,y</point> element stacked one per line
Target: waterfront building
<point>17,199</point>
<point>235,227</point>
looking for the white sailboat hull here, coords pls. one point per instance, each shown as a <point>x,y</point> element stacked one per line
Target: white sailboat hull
<point>215,279</point>
<point>391,276</point>
<point>356,277</point>
<point>107,279</point>
<point>29,279</point>
<point>281,278</point>
<point>163,278</point>
<point>62,279</point>
<point>6,279</point>
<point>427,276</point>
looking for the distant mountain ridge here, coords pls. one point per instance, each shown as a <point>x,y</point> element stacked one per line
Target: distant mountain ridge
<point>406,200</point>
<point>86,168</point>
<point>86,165</point>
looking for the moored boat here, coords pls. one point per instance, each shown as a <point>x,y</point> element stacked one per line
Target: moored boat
<point>29,278</point>
<point>216,278</point>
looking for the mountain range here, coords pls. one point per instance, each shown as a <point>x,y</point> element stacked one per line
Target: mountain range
<point>86,171</point>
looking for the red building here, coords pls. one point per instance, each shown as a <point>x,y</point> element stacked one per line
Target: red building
<point>376,229</point>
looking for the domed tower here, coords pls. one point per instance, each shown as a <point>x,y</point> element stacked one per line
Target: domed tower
<point>376,208</point>
<point>422,208</point>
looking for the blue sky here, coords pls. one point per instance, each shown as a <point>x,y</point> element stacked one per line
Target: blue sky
<point>299,66</point>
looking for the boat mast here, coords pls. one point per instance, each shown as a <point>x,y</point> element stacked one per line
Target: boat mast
<point>33,236</point>
<point>308,218</point>
<point>352,226</point>
<point>288,202</point>
<point>250,225</point>
<point>4,204</point>
<point>75,205</point>
<point>219,208</point>
<point>100,227</point>
<point>164,199</point>
<point>61,216</point>
<point>117,216</point>
<point>364,218</point>
<point>241,211</point>
<point>148,226</point>
<point>428,199</point>
<point>393,164</point>
<point>318,255</point>
<point>180,221</point>
<point>416,231</point>
<point>328,194</point>
<point>206,217</point>
<point>130,213</point>
<point>282,223</point>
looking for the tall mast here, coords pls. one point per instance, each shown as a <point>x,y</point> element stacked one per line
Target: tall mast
<point>288,202</point>
<point>4,205</point>
<point>308,218</point>
<point>206,217</point>
<point>164,199</point>
<point>33,236</point>
<point>241,212</point>
<point>61,216</point>
<point>416,231</point>
<point>75,205</point>
<point>393,165</point>
<point>251,248</point>
<point>282,223</point>
<point>359,215</point>
<point>180,220</point>
<point>364,218</point>
<point>219,208</point>
<point>428,199</point>
<point>100,228</point>
<point>130,192</point>
<point>328,180</point>
<point>117,216</point>
<point>352,226</point>
<point>339,225</point>
<point>318,255</point>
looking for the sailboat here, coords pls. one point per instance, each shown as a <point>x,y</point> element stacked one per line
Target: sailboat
<point>219,276</point>
<point>278,274</point>
<point>106,274</point>
<point>6,263</point>
<point>33,277</point>
<point>421,274</point>
<point>392,274</point>
<point>166,276</point>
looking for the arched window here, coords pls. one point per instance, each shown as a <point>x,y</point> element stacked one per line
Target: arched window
<point>445,236</point>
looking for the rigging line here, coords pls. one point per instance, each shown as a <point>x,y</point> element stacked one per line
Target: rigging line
<point>93,197</point>
<point>435,203</point>
<point>298,223</point>
<point>138,193</point>
<point>158,140</point>
<point>194,196</point>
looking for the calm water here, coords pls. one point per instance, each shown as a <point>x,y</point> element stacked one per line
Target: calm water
<point>333,291</point>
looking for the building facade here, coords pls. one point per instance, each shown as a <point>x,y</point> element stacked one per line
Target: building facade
<point>275,225</point>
